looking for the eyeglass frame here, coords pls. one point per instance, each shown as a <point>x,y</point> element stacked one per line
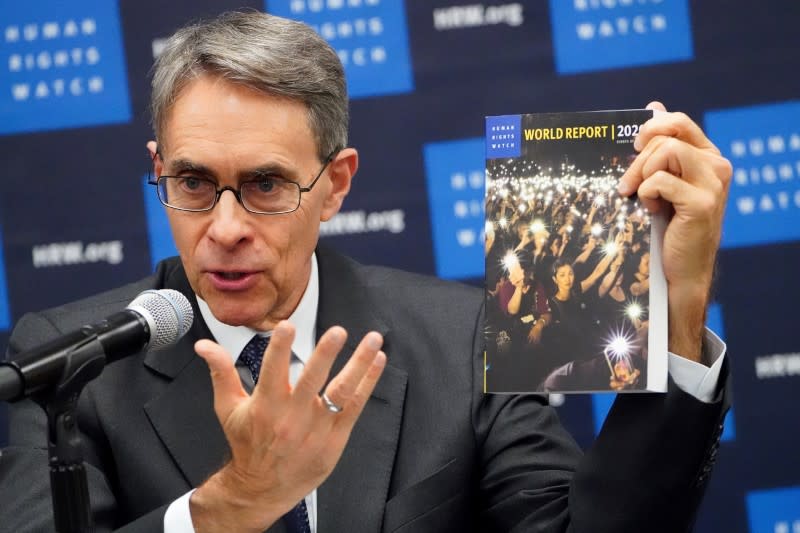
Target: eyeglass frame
<point>237,193</point>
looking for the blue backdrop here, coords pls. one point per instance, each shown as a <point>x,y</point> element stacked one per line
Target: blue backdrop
<point>76,218</point>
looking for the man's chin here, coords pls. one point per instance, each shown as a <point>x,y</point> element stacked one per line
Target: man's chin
<point>233,314</point>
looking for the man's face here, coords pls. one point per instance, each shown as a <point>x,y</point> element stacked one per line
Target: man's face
<point>251,269</point>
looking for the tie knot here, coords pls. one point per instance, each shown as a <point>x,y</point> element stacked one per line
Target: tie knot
<point>253,353</point>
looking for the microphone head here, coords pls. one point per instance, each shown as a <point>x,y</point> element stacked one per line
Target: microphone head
<point>168,313</point>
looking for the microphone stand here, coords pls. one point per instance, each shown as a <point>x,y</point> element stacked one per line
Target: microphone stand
<point>68,484</point>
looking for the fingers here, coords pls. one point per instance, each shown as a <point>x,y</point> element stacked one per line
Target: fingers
<point>290,442</point>
<point>342,388</point>
<point>654,134</point>
<point>677,125</point>
<point>663,185</point>
<point>705,170</point>
<point>316,371</point>
<point>307,413</point>
<point>274,370</point>
<point>273,378</point>
<point>682,160</point>
<point>228,391</point>
<point>355,406</point>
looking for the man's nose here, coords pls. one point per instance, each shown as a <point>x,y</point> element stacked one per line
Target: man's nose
<point>229,225</point>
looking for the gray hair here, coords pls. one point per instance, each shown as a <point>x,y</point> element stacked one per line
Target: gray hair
<point>263,52</point>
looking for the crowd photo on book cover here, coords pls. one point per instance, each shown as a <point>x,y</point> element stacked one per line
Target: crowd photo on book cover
<point>567,276</point>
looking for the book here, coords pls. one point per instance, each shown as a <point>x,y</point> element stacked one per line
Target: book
<point>576,299</point>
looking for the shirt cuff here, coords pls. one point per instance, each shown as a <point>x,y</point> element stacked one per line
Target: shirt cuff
<point>178,518</point>
<point>698,379</point>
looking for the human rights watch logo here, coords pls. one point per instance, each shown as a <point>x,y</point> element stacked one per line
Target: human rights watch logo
<point>456,176</point>
<point>763,145</point>
<point>774,510</point>
<point>503,136</point>
<point>370,37</point>
<point>64,66</point>
<point>603,34</point>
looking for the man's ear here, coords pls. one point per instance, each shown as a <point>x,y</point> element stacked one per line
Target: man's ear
<point>158,165</point>
<point>340,171</point>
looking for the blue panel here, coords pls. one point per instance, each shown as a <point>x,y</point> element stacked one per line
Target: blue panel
<point>370,36</point>
<point>456,177</point>
<point>774,511</point>
<point>503,136</point>
<point>158,231</point>
<point>601,403</point>
<point>5,313</point>
<point>593,35</point>
<point>729,431</point>
<point>63,65</point>
<point>763,144</point>
<point>714,323</point>
<point>714,320</point>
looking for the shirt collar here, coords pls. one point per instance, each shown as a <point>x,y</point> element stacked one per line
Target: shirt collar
<point>304,320</point>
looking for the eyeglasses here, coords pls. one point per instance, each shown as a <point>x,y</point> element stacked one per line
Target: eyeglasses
<point>269,195</point>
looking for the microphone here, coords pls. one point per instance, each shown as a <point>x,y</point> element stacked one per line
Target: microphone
<point>155,319</point>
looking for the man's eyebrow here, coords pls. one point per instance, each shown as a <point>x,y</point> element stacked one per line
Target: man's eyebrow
<point>270,169</point>
<point>178,166</point>
<point>185,165</point>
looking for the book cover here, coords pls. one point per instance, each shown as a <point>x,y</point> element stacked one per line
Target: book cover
<point>576,299</point>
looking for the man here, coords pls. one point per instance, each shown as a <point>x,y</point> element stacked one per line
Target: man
<point>367,413</point>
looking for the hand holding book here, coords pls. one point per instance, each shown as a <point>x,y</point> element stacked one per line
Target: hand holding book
<point>679,169</point>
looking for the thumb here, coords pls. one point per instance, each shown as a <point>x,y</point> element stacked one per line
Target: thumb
<point>656,106</point>
<point>228,391</point>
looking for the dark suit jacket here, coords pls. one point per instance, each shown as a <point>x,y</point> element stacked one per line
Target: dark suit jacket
<point>430,453</point>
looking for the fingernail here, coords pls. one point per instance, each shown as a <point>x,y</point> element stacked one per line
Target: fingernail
<point>199,346</point>
<point>281,329</point>
<point>338,334</point>
<point>374,340</point>
<point>622,188</point>
<point>380,360</point>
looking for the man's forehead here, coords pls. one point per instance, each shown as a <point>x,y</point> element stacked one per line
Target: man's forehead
<point>210,104</point>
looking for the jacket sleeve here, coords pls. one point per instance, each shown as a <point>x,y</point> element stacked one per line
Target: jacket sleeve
<point>646,471</point>
<point>649,467</point>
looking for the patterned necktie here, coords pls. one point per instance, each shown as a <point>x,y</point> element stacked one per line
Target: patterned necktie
<point>296,520</point>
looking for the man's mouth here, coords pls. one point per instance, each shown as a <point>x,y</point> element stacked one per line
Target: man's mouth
<point>232,280</point>
<point>231,275</point>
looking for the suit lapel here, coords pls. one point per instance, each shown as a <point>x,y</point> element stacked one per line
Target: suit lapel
<point>353,498</point>
<point>185,422</point>
<point>183,415</point>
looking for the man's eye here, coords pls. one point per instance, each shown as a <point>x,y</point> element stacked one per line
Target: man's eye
<point>265,185</point>
<point>192,183</point>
